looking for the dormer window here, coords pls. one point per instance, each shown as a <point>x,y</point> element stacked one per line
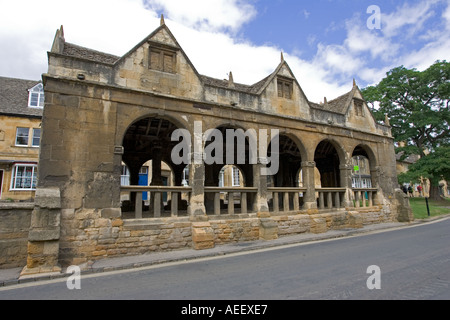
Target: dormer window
<point>36,96</point>
<point>162,58</point>
<point>358,107</point>
<point>284,87</point>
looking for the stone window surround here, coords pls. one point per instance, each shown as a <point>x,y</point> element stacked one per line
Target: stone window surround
<point>163,50</point>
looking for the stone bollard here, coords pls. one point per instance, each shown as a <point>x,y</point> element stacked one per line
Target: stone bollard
<point>268,229</point>
<point>202,235</point>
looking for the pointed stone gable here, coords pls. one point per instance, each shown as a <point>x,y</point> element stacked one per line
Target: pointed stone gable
<point>284,71</point>
<point>159,65</point>
<point>163,36</point>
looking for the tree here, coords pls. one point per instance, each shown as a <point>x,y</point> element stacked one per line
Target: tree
<point>417,105</point>
<point>435,167</point>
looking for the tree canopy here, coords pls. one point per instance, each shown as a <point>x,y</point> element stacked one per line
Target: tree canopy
<point>417,105</point>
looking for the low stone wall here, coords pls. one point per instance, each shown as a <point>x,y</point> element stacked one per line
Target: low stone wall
<point>15,221</point>
<point>89,235</point>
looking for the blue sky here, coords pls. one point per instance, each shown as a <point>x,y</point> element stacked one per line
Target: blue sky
<point>326,43</point>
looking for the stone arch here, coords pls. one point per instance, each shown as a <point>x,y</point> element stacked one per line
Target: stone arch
<point>358,156</point>
<point>291,153</point>
<point>329,155</point>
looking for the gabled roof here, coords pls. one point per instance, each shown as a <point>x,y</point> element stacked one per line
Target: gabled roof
<point>88,54</point>
<point>14,97</point>
<point>339,105</point>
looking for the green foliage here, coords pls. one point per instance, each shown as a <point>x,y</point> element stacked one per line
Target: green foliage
<point>417,104</point>
<point>435,166</point>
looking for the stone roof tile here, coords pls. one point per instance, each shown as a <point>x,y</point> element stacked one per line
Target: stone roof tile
<point>14,97</point>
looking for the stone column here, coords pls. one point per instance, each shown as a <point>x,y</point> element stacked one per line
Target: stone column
<point>346,182</point>
<point>44,234</point>
<point>309,198</point>
<point>376,175</point>
<point>196,208</point>
<point>260,204</point>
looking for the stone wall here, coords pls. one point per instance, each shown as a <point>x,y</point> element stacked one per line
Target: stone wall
<point>15,221</point>
<point>89,235</point>
<point>92,234</point>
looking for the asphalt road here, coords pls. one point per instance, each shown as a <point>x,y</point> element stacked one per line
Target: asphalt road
<point>413,263</point>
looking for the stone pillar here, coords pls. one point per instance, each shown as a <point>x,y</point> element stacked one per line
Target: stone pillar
<point>309,198</point>
<point>260,204</point>
<point>44,234</point>
<point>346,182</point>
<point>376,175</point>
<point>196,208</point>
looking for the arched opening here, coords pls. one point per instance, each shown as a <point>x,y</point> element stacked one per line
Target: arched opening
<point>147,161</point>
<point>364,176</point>
<point>363,163</point>
<point>228,164</point>
<point>290,161</point>
<point>289,174</point>
<point>327,162</point>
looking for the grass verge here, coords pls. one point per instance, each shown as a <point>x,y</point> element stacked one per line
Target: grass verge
<point>437,208</point>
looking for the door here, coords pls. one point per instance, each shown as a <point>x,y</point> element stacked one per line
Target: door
<point>143,181</point>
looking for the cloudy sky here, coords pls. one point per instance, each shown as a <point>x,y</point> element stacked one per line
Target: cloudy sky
<point>326,43</point>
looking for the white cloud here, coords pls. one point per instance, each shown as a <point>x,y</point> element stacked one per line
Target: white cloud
<point>207,32</point>
<point>408,19</point>
<point>215,15</point>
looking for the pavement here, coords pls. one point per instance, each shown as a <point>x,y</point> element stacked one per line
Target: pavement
<point>9,277</point>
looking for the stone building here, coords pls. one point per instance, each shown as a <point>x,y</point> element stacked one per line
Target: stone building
<point>21,107</point>
<point>102,111</point>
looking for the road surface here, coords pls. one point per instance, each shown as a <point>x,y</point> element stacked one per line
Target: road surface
<point>407,263</point>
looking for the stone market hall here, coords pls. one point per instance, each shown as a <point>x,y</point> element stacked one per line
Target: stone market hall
<point>105,115</point>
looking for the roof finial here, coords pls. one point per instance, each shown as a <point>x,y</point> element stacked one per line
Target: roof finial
<point>354,82</point>
<point>282,57</point>
<point>230,80</point>
<point>386,120</point>
<point>61,31</point>
<point>162,20</point>
<point>325,100</point>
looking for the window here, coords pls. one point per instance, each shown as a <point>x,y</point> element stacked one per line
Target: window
<point>22,137</point>
<point>36,138</point>
<point>284,88</point>
<point>125,176</point>
<point>24,177</point>
<point>36,97</point>
<point>358,107</point>
<point>236,182</point>
<point>222,178</point>
<point>162,60</point>
<point>185,181</point>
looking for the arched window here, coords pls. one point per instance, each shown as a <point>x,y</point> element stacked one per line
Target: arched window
<point>36,97</point>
